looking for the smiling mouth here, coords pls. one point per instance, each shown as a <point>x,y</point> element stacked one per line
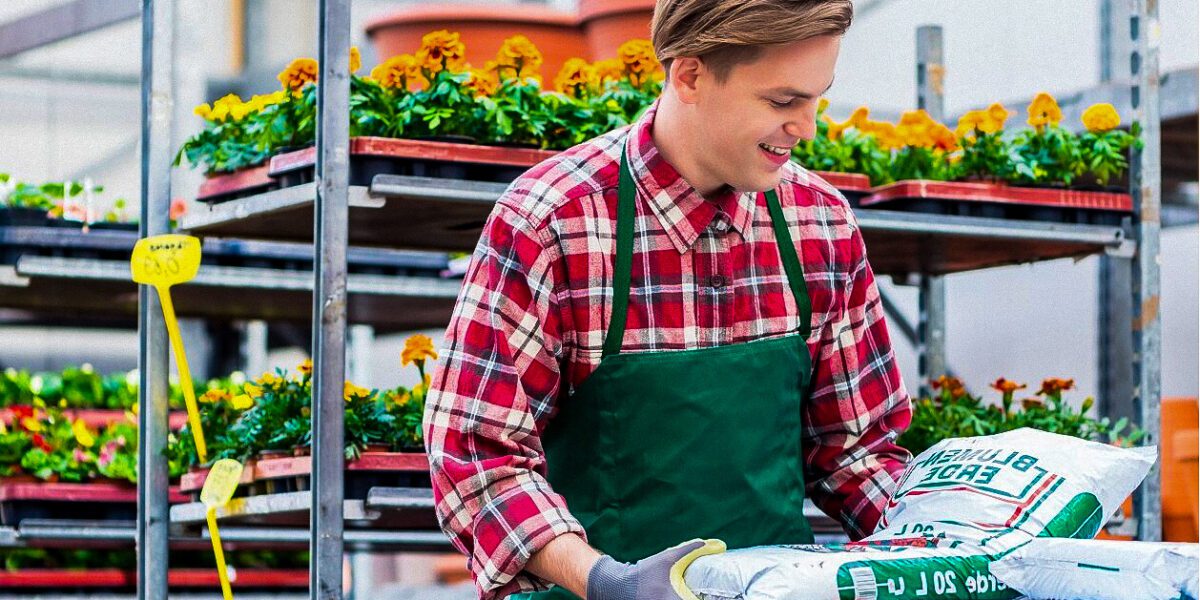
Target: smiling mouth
<point>777,150</point>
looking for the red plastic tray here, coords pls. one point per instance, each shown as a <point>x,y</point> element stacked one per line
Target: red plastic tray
<point>292,466</point>
<point>77,492</point>
<point>238,181</point>
<point>193,481</point>
<point>847,182</point>
<point>184,578</point>
<point>1004,194</point>
<point>99,417</point>
<point>422,149</point>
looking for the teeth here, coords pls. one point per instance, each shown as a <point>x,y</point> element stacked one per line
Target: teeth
<point>774,149</point>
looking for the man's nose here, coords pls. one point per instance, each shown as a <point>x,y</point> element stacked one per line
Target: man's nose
<point>804,129</point>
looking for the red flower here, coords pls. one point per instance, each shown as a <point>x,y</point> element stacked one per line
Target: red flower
<point>1055,385</point>
<point>40,442</point>
<point>21,412</point>
<point>1006,386</point>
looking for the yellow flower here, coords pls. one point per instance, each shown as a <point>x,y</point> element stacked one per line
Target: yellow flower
<point>416,349</point>
<point>885,133</point>
<point>401,72</point>
<point>299,73</point>
<point>916,129</point>
<point>482,81</point>
<point>822,104</point>
<point>269,379</point>
<point>355,59</point>
<point>441,50</point>
<point>1044,111</point>
<point>3,427</point>
<point>403,399</point>
<point>577,78</point>
<point>62,403</point>
<point>835,128</point>
<point>518,58</point>
<point>858,117</point>
<point>350,391</point>
<point>1102,117</point>
<point>31,424</point>
<point>969,123</point>
<point>204,111</point>
<point>637,56</point>
<point>997,115</point>
<point>610,69</point>
<point>82,434</point>
<point>252,390</point>
<point>241,402</point>
<point>215,396</point>
<point>305,367</point>
<point>943,138</point>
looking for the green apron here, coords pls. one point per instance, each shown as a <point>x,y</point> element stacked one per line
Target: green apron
<point>657,448</point>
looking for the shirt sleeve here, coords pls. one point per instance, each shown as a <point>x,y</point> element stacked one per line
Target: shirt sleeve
<point>858,406</point>
<point>495,383</point>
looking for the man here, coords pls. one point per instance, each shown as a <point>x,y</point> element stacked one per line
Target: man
<point>670,331</point>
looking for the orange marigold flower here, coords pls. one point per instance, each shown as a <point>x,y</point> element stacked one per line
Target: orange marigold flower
<point>299,73</point>
<point>637,57</point>
<point>305,367</point>
<point>416,349</point>
<point>610,69</point>
<point>1055,385</point>
<point>400,72</point>
<point>1102,117</point>
<point>576,78</point>
<point>482,81</point>
<point>1044,110</point>
<point>945,381</point>
<point>969,123</point>
<point>822,104</point>
<point>1006,386</point>
<point>518,58</point>
<point>858,117</point>
<point>997,115</point>
<point>442,50</point>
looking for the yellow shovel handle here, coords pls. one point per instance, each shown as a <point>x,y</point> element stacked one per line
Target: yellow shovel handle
<point>185,374</point>
<point>222,573</point>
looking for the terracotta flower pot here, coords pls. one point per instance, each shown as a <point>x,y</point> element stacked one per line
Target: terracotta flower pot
<point>609,23</point>
<point>482,30</point>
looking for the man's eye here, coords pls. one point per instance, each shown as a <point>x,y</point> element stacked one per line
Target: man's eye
<point>779,104</point>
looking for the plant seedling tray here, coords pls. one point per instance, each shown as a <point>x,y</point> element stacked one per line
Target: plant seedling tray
<point>1002,202</point>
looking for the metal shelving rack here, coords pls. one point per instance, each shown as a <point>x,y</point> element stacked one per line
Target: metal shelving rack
<point>334,207</point>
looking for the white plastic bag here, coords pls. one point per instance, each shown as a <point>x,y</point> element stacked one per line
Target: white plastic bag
<point>1101,570</point>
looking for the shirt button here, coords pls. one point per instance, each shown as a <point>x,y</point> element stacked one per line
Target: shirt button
<point>721,226</point>
<point>717,281</point>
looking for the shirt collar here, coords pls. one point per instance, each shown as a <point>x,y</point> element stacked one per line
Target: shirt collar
<point>682,211</point>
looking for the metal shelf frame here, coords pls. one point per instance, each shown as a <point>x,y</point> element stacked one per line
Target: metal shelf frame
<point>331,210</point>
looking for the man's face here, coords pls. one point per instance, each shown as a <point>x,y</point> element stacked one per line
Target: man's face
<point>764,108</point>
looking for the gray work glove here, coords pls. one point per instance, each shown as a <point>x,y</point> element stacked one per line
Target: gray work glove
<point>648,579</point>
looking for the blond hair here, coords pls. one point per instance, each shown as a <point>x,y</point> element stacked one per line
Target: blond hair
<point>725,33</point>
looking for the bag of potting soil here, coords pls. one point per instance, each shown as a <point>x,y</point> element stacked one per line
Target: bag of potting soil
<point>997,491</point>
<point>846,571</point>
<point>958,507</point>
<point>1101,569</point>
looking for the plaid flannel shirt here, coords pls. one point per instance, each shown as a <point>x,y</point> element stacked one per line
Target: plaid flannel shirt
<point>536,301</point>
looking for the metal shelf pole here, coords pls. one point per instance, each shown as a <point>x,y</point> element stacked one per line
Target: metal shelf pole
<point>329,298</point>
<point>1146,182</point>
<point>157,74</point>
<point>931,297</point>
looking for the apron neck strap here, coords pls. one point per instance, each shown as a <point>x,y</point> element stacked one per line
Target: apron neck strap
<point>626,214</point>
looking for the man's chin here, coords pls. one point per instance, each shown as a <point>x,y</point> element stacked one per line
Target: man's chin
<point>760,184</point>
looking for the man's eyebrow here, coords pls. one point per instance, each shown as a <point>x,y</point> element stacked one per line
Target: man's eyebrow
<point>790,91</point>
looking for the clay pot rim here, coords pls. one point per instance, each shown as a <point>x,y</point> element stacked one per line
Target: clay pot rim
<point>438,13</point>
<point>594,9</point>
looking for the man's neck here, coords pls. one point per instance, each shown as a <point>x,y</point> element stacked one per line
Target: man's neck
<point>673,136</point>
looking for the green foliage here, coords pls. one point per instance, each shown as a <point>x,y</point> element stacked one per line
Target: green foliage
<point>955,413</point>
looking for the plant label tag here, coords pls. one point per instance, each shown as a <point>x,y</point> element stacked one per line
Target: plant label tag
<point>222,480</point>
<point>165,260</point>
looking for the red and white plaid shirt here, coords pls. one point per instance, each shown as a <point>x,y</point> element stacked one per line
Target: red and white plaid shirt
<point>536,302</point>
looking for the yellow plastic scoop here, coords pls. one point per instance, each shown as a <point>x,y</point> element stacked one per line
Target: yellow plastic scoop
<point>222,480</point>
<point>163,261</point>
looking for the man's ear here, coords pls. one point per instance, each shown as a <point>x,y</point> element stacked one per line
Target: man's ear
<point>686,75</point>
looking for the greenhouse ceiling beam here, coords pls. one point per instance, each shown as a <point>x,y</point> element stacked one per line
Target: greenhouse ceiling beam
<point>63,22</point>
